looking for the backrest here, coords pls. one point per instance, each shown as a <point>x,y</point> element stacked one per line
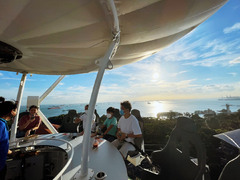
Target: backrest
<point>175,160</point>
<point>69,117</point>
<point>117,114</point>
<point>139,142</point>
<point>231,171</point>
<point>23,114</point>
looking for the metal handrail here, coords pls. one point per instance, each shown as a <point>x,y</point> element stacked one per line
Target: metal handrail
<point>68,145</point>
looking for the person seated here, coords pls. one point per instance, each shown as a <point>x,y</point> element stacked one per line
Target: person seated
<point>128,129</point>
<point>83,121</point>
<point>110,124</point>
<point>29,123</point>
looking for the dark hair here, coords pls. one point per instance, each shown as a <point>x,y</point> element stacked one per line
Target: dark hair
<point>33,106</point>
<point>126,105</point>
<point>111,109</point>
<point>6,107</point>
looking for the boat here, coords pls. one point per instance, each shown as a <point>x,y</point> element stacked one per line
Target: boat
<point>55,107</point>
<point>230,98</point>
<point>75,37</point>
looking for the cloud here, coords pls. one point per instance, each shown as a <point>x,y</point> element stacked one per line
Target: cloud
<point>176,74</point>
<point>9,78</point>
<point>233,74</point>
<point>233,28</point>
<point>77,88</point>
<point>201,50</point>
<point>235,61</point>
<point>212,61</point>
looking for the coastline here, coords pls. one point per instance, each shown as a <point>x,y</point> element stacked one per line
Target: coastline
<point>147,108</point>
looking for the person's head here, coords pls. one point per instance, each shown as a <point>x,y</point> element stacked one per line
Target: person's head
<point>110,112</point>
<point>8,109</point>
<point>33,110</point>
<point>126,107</point>
<point>86,107</point>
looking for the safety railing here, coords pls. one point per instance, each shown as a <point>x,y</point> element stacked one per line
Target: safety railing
<point>69,147</point>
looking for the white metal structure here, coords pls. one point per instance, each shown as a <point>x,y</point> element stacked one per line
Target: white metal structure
<point>80,36</point>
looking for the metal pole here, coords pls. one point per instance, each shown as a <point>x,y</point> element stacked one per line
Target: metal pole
<point>46,122</point>
<point>103,65</point>
<point>51,88</point>
<point>19,100</point>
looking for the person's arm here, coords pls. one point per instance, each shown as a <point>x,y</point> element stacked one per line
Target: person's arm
<point>81,133</point>
<point>133,136</point>
<point>37,124</point>
<point>22,124</point>
<point>108,129</point>
<point>135,129</point>
<point>34,128</point>
<point>119,134</point>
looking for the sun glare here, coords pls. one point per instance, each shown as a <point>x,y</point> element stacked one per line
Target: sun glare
<point>156,107</point>
<point>155,76</point>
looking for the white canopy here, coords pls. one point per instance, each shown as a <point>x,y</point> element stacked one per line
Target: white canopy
<point>67,36</point>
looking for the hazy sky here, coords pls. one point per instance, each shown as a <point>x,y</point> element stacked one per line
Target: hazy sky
<point>203,64</point>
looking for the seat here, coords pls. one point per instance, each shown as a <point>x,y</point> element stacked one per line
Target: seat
<point>231,171</point>
<point>174,159</point>
<point>67,125</point>
<point>139,142</point>
<point>70,116</point>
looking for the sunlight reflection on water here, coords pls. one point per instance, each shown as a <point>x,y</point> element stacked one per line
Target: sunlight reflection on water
<point>147,108</point>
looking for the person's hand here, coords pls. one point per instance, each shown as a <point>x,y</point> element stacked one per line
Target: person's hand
<point>98,137</point>
<point>27,133</point>
<point>93,134</point>
<point>10,154</point>
<point>123,136</point>
<point>9,151</point>
<point>31,120</point>
<point>119,135</point>
<point>77,120</point>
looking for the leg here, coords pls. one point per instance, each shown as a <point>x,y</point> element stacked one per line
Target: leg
<point>125,148</point>
<point>117,143</point>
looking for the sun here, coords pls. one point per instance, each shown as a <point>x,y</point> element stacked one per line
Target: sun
<point>155,76</point>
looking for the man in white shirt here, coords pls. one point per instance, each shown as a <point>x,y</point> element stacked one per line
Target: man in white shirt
<point>83,118</point>
<point>128,129</point>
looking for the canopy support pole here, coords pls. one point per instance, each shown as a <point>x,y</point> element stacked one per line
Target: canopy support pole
<point>19,101</point>
<point>51,88</point>
<point>44,95</point>
<point>103,64</point>
<point>46,122</point>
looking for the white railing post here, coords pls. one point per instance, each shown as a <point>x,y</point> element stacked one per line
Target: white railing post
<point>19,101</point>
<point>103,64</point>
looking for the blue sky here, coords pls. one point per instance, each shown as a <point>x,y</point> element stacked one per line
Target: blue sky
<point>203,64</point>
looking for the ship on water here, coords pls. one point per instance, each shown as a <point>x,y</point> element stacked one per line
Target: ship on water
<point>230,98</point>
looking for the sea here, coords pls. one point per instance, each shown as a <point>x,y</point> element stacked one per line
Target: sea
<point>146,108</point>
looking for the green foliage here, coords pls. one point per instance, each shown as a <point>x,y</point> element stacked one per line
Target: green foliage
<point>157,131</point>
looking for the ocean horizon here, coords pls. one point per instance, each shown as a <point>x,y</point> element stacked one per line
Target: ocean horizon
<point>147,108</point>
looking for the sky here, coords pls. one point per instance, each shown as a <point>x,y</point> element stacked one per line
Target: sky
<point>203,64</point>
